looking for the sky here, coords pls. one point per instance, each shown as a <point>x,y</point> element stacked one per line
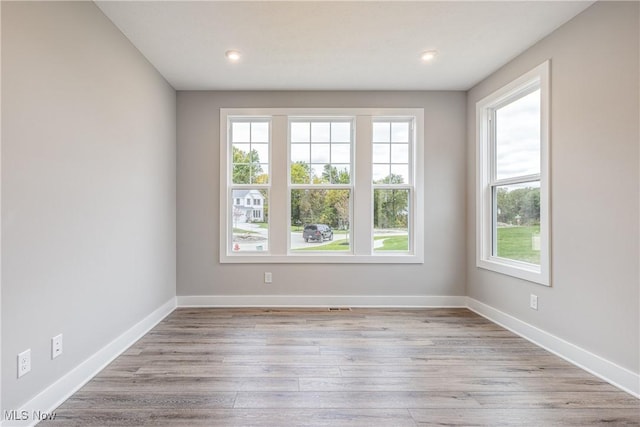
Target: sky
<point>518,137</point>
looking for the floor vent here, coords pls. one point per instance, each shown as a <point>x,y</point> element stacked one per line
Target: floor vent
<point>339,308</point>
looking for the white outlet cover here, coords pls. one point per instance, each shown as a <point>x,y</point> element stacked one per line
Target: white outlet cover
<point>533,302</point>
<point>56,346</point>
<point>24,362</point>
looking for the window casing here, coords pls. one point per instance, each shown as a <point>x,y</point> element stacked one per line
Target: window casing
<point>392,182</point>
<point>513,178</point>
<point>320,180</point>
<point>340,157</point>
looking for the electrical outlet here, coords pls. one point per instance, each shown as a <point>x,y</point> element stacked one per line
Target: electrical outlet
<point>268,277</point>
<point>24,362</point>
<point>56,346</point>
<point>533,302</point>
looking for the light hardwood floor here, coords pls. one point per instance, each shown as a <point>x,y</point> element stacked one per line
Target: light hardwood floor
<point>366,367</point>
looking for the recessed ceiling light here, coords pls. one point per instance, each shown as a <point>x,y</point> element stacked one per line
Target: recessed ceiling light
<point>428,55</point>
<point>232,55</point>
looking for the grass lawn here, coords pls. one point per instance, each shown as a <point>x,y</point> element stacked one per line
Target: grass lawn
<point>515,243</point>
<point>336,245</point>
<point>393,243</point>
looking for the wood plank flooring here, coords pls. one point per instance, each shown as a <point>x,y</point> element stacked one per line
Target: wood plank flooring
<point>366,367</point>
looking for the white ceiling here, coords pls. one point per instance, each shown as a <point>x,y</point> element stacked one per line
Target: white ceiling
<point>340,45</point>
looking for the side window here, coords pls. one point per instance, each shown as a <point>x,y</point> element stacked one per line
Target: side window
<point>392,184</point>
<point>513,222</point>
<point>249,144</point>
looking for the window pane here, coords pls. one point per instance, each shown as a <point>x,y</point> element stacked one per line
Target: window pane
<point>320,153</point>
<point>319,174</point>
<point>320,220</point>
<point>300,152</point>
<point>320,132</point>
<point>399,174</point>
<point>327,158</point>
<point>250,217</point>
<point>241,153</point>
<point>381,153</point>
<point>249,158</point>
<point>260,153</point>
<point>400,132</point>
<point>390,220</point>
<point>341,132</point>
<point>400,153</point>
<point>260,132</point>
<point>241,173</point>
<point>518,137</point>
<point>250,173</point>
<point>340,174</point>
<point>300,173</point>
<point>340,153</point>
<point>241,132</point>
<point>517,217</point>
<point>380,172</point>
<point>381,132</point>
<point>300,132</point>
<point>395,152</point>
<point>260,173</point>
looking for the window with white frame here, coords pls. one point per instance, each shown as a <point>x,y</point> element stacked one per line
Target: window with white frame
<point>513,178</point>
<point>325,185</point>
<point>248,180</point>
<point>392,183</point>
<point>320,184</point>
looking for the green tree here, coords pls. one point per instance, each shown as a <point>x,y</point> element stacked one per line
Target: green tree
<point>336,209</point>
<point>300,174</point>
<point>520,206</point>
<point>312,204</point>
<point>390,206</point>
<point>333,175</point>
<point>246,166</point>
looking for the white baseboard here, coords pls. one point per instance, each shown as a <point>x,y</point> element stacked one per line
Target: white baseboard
<point>612,373</point>
<point>54,395</point>
<point>308,301</point>
<point>51,397</point>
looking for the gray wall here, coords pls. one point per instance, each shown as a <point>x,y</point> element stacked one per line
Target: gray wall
<point>88,188</point>
<point>199,271</point>
<point>593,301</point>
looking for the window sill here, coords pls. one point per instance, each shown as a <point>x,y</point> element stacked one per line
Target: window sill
<point>314,258</point>
<point>521,270</point>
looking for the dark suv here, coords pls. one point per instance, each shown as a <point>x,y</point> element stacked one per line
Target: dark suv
<point>317,232</point>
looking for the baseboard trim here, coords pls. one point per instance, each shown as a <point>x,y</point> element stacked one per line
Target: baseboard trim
<point>612,373</point>
<point>312,301</point>
<point>53,396</point>
<point>50,398</point>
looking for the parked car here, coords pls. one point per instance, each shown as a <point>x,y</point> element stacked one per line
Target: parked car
<point>317,232</point>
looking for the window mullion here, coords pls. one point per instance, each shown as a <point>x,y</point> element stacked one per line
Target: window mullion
<point>362,224</point>
<point>279,200</point>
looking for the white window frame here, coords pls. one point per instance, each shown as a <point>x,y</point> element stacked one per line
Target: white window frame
<point>324,186</point>
<point>361,197</point>
<point>409,186</point>
<point>226,198</point>
<point>486,167</point>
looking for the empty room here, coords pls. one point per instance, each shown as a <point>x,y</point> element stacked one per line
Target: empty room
<point>314,213</point>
